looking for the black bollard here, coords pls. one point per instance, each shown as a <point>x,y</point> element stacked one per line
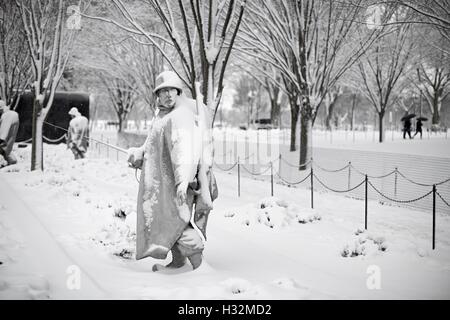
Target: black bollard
<point>312,187</point>
<point>365,203</point>
<point>434,216</point>
<point>271,178</point>
<point>239,178</point>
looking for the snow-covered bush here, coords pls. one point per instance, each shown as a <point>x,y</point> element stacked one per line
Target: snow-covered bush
<point>273,213</point>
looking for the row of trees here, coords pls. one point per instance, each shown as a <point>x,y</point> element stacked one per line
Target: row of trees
<point>303,53</point>
<point>316,50</point>
<point>35,45</point>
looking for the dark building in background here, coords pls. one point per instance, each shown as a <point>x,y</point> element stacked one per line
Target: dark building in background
<point>57,116</point>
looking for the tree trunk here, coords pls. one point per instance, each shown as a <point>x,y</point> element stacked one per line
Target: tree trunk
<point>436,119</point>
<point>294,120</point>
<point>37,157</point>
<point>329,116</point>
<point>120,123</point>
<point>352,118</point>
<point>275,112</point>
<point>210,93</point>
<point>381,127</point>
<point>305,135</point>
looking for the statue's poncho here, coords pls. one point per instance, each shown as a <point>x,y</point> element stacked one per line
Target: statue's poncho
<point>171,156</point>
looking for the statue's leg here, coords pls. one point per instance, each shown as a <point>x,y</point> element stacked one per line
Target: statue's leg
<point>191,246</point>
<point>11,159</point>
<point>196,260</point>
<point>178,259</point>
<point>75,152</point>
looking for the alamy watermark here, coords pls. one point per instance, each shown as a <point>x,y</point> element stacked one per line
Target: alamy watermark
<point>373,282</point>
<point>73,281</point>
<point>74,20</point>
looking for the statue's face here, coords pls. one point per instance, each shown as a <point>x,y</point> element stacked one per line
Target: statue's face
<point>167,97</point>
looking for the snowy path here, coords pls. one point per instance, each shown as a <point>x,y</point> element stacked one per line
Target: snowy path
<point>46,257</point>
<point>65,216</point>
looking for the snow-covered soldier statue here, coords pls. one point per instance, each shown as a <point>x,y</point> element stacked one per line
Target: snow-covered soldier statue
<point>9,125</point>
<point>78,134</point>
<point>177,185</point>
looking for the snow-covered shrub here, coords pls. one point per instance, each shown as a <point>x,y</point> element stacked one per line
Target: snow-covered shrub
<point>364,244</point>
<point>118,237</point>
<point>273,213</point>
<point>124,207</point>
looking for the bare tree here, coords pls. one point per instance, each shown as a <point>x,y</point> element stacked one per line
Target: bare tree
<point>432,76</point>
<point>383,70</point>
<point>201,32</point>
<point>310,43</point>
<point>14,56</point>
<point>122,95</point>
<point>434,84</point>
<point>270,80</point>
<point>128,71</point>
<point>112,54</point>
<point>245,88</point>
<point>49,45</point>
<point>146,63</point>
<point>435,13</point>
<point>329,102</point>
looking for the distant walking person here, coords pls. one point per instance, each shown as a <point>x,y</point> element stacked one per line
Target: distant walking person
<point>9,125</point>
<point>78,134</point>
<point>419,125</point>
<point>407,127</point>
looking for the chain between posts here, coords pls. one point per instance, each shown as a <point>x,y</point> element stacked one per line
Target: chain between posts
<point>269,166</point>
<point>422,184</point>
<point>339,191</point>
<point>296,165</point>
<point>443,200</point>
<point>230,168</point>
<point>331,171</point>
<point>256,174</point>
<point>293,183</point>
<point>374,177</point>
<point>399,201</point>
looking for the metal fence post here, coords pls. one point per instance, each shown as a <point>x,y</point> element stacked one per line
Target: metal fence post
<point>107,148</point>
<point>395,182</point>
<point>434,215</point>
<point>271,177</point>
<point>365,203</point>
<point>239,177</point>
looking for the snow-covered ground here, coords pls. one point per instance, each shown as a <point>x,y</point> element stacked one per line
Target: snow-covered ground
<point>68,233</point>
